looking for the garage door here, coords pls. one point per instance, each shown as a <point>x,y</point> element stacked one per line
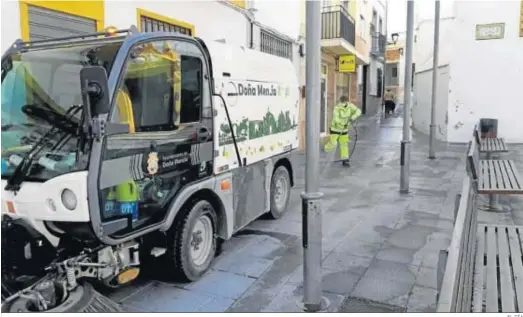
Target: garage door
<point>46,24</point>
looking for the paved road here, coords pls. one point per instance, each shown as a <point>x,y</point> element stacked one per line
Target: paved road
<point>379,247</point>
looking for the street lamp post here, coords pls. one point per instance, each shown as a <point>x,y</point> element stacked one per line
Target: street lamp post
<point>311,198</point>
<point>406,142</point>
<point>435,62</point>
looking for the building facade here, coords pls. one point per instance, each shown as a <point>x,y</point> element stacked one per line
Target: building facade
<point>371,78</point>
<point>480,67</point>
<point>231,22</point>
<point>344,39</point>
<point>395,67</point>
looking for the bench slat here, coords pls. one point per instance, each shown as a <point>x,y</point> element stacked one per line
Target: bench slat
<point>514,175</point>
<point>492,280</point>
<point>479,275</point>
<point>505,276</point>
<point>508,174</point>
<point>499,177</point>
<point>503,173</point>
<point>515,244</point>
<point>484,175</point>
<point>500,181</point>
<point>493,145</point>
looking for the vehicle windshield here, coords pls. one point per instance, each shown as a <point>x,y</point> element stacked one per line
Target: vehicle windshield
<point>41,98</point>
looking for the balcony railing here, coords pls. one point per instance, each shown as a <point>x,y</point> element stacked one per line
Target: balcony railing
<point>379,44</point>
<point>336,23</point>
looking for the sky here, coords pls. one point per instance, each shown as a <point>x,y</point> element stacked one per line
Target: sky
<point>423,8</point>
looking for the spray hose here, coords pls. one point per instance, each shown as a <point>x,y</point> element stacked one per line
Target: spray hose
<point>331,158</point>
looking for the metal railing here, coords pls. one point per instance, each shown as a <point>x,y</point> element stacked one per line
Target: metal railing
<point>379,44</point>
<point>337,23</point>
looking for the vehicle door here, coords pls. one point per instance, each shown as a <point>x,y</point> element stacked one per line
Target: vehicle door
<point>163,95</point>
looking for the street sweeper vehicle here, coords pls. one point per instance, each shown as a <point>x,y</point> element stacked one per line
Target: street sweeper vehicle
<point>121,149</point>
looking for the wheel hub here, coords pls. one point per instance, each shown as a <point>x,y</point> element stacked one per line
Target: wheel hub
<point>280,195</point>
<point>201,242</point>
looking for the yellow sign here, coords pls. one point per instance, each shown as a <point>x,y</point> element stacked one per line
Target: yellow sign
<point>347,64</point>
<point>521,20</point>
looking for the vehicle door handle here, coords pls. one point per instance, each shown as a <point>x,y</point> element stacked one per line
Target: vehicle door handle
<point>203,134</point>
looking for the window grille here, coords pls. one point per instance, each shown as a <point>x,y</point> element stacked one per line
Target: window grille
<point>152,25</point>
<point>274,45</point>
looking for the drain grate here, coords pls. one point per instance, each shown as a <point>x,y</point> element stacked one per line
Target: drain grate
<point>359,305</point>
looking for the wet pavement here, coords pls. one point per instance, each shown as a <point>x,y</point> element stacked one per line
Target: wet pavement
<point>380,247</point>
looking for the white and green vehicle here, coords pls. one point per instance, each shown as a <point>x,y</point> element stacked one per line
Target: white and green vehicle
<point>120,148</point>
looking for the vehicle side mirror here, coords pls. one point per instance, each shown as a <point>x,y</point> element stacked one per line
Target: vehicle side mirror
<point>95,91</point>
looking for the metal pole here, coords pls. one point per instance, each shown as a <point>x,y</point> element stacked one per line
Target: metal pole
<point>435,64</point>
<point>384,85</point>
<point>407,87</point>
<point>311,198</point>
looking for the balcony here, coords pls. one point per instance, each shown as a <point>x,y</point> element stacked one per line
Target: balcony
<point>379,44</point>
<point>338,31</point>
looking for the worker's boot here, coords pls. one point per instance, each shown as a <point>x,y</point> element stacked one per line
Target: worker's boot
<point>345,163</point>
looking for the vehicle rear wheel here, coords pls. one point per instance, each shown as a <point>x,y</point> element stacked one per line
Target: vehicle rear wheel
<point>192,242</point>
<point>83,299</point>
<point>280,192</point>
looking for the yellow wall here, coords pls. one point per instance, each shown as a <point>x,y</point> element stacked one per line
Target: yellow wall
<point>239,3</point>
<point>87,9</point>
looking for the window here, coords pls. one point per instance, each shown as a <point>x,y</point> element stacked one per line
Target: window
<point>363,28</point>
<point>394,72</point>
<point>150,22</point>
<point>345,4</point>
<point>274,45</point>
<point>380,26</point>
<point>162,87</point>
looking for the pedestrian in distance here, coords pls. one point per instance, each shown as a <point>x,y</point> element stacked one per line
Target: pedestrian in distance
<point>343,115</point>
<point>390,103</point>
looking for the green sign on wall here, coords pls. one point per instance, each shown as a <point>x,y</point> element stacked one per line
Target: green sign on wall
<point>490,31</point>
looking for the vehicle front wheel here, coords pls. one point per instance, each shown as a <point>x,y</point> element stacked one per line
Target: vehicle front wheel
<point>280,192</point>
<point>192,241</point>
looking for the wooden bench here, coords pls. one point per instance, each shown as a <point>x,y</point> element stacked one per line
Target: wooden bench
<point>490,146</point>
<point>493,177</point>
<point>483,267</point>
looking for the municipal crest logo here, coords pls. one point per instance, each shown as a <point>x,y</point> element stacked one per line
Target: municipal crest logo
<point>152,163</point>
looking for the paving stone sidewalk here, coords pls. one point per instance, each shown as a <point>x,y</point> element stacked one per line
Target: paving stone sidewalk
<point>380,247</point>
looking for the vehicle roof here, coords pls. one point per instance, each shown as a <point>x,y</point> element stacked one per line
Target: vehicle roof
<point>247,64</point>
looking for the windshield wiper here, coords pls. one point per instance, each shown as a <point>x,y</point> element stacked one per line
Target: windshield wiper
<point>13,183</point>
<point>62,121</point>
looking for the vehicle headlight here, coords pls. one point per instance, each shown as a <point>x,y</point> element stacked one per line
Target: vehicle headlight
<point>69,199</point>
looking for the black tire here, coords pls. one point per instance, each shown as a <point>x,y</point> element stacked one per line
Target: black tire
<point>281,173</point>
<point>179,239</point>
<point>83,299</point>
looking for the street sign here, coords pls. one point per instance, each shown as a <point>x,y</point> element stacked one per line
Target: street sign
<point>490,31</point>
<point>347,64</point>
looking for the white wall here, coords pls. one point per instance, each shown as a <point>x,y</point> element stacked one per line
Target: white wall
<point>423,57</point>
<point>212,20</point>
<point>10,23</point>
<point>424,48</point>
<point>486,76</point>
<point>421,108</point>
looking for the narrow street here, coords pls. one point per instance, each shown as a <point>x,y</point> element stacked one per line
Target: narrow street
<point>380,248</point>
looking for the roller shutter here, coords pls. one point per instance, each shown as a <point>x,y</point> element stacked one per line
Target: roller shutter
<point>46,24</point>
